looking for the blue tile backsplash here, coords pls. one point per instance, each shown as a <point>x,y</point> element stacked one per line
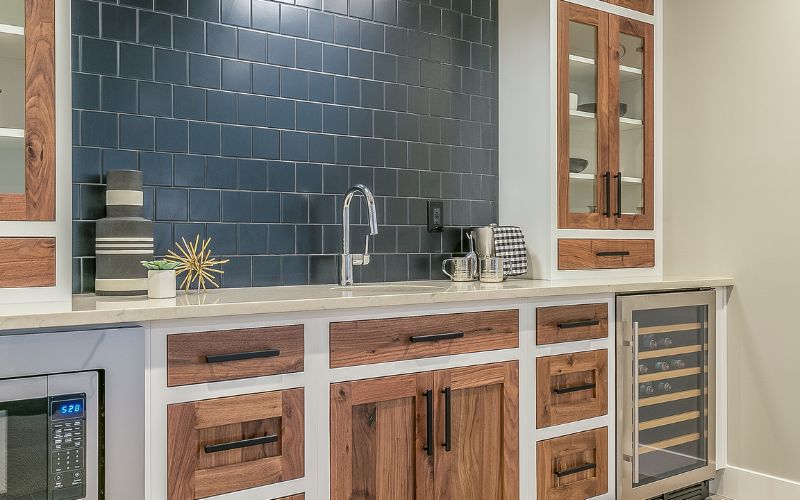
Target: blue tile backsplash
<point>250,118</point>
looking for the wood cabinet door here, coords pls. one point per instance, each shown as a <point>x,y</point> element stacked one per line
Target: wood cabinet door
<point>381,444</point>
<point>477,433</point>
<point>646,6</point>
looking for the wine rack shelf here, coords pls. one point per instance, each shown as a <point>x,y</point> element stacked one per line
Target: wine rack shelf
<point>668,443</point>
<point>666,398</point>
<point>674,351</point>
<point>684,327</point>
<point>650,377</point>
<point>672,419</point>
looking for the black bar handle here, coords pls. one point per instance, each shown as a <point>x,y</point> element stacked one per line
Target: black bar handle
<point>448,420</point>
<point>244,443</point>
<point>575,470</point>
<point>578,324</point>
<point>429,422</point>
<point>619,195</point>
<point>624,253</point>
<point>239,356</point>
<point>607,177</point>
<point>437,337</point>
<point>567,390</point>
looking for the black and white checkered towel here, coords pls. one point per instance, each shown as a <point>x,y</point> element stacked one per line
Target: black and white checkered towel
<point>509,243</point>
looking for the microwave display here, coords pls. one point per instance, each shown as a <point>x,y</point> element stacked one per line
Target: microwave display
<point>70,408</point>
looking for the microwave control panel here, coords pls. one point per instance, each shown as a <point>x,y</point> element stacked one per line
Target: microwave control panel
<point>67,474</point>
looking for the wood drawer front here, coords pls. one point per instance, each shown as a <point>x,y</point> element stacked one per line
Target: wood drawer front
<point>571,387</point>
<point>646,6</point>
<point>27,262</point>
<point>586,453</point>
<point>195,471</point>
<point>569,323</point>
<point>264,351</point>
<point>577,254</point>
<point>393,339</point>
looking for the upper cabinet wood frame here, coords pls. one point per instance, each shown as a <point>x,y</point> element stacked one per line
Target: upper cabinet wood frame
<point>38,201</point>
<point>646,6</point>
<point>608,178</point>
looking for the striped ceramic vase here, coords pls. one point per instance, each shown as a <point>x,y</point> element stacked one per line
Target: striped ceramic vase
<point>124,237</point>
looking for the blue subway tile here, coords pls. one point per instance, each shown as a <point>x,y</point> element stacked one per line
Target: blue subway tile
<point>98,129</point>
<point>294,270</point>
<point>172,6</point>
<point>321,148</point>
<point>172,135</point>
<point>346,31</point>
<point>92,202</point>
<point>294,21</point>
<point>190,170</point>
<point>85,18</point>
<point>252,46</point>
<point>204,205</point>
<point>281,239</point>
<point>171,66</point>
<point>385,11</point>
<point>320,26</point>
<point>221,40</point>
<point>135,61</point>
<point>118,23</point>
<point>223,238</point>
<point>221,106</point>
<point>207,10</point>
<point>337,6</point>
<point>155,29</point>
<point>266,143</point>
<point>360,63</point>
<point>85,165</point>
<point>236,76</point>
<point>321,209</point>
<point>238,273</point>
<point>236,12</point>
<point>266,270</point>
<point>252,110</point>
<point>99,56</point>
<point>309,116</point>
<point>266,207</point>
<point>236,206</point>
<point>348,91</point>
<point>172,204</point>
<point>309,55</point>
<point>118,95</point>
<point>253,175</point>
<point>294,146</point>
<point>188,34</point>
<point>311,4</point>
<point>221,173</point>
<point>236,141</point>
<point>386,67</point>
<point>118,159</point>
<point>361,8</point>
<point>155,99</point>
<point>280,50</point>
<point>334,59</point>
<point>252,239</point>
<point>266,80</point>
<point>309,177</point>
<point>266,15</point>
<point>372,94</point>
<point>408,14</point>
<point>348,150</point>
<point>281,176</point>
<point>156,169</point>
<point>396,154</point>
<point>189,103</point>
<point>204,138</point>
<point>372,152</point>
<point>204,71</point>
<point>320,87</point>
<point>188,231</point>
<point>294,84</point>
<point>361,122</point>
<point>308,240</point>
<point>162,234</point>
<point>142,4</point>
<point>136,132</point>
<point>85,91</point>
<point>281,113</point>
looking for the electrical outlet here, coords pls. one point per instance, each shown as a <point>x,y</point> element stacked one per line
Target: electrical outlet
<point>435,216</point>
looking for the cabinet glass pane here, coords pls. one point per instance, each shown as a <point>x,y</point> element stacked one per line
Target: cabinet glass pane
<point>582,118</point>
<point>631,129</point>
<point>12,97</point>
<point>672,385</point>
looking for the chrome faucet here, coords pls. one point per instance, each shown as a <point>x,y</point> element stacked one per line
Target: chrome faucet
<point>349,260</point>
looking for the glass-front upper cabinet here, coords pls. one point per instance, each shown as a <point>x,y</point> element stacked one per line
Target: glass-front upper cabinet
<point>605,120</point>
<point>27,110</point>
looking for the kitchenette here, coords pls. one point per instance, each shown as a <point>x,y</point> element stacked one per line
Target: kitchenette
<point>348,249</point>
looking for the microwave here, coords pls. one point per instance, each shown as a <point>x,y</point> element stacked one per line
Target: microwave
<point>50,439</point>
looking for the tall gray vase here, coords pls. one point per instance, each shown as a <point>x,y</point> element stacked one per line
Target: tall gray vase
<point>124,237</point>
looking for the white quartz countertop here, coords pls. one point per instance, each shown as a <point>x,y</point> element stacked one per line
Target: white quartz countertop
<point>92,310</point>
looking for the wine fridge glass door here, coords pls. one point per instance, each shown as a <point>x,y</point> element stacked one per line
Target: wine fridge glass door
<point>667,352</point>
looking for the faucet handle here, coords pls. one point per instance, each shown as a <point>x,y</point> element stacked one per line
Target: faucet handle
<point>362,259</point>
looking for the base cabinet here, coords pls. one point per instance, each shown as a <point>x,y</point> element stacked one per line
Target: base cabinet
<point>448,434</point>
<point>573,467</point>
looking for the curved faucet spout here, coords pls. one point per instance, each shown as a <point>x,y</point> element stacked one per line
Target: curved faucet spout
<point>348,260</point>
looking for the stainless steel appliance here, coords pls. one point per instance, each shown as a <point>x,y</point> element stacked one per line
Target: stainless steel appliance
<point>484,240</point>
<point>49,440</point>
<point>666,392</point>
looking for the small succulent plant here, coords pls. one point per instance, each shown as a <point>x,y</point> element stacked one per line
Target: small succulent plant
<point>160,265</point>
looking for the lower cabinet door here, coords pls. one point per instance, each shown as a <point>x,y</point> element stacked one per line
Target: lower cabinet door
<point>477,445</point>
<point>573,467</point>
<point>381,444</point>
<point>229,444</point>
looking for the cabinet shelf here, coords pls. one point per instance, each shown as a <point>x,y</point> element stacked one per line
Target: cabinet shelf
<point>584,67</point>
<point>582,120</point>
<point>590,177</point>
<point>16,133</point>
<point>10,29</point>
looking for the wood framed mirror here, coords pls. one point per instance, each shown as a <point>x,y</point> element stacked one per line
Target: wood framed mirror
<point>27,110</point>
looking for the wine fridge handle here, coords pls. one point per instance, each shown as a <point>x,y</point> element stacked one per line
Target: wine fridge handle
<point>635,368</point>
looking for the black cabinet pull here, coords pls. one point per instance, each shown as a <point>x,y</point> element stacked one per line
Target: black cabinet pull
<point>436,337</point>
<point>244,443</point>
<point>429,422</point>
<point>567,390</point>
<point>619,195</point>
<point>607,177</point>
<point>623,253</point>
<point>575,470</point>
<point>578,324</point>
<point>239,356</point>
<point>448,420</point>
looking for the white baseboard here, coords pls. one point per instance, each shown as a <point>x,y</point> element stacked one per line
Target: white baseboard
<point>743,484</point>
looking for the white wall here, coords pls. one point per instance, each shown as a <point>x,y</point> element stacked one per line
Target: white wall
<point>732,194</point>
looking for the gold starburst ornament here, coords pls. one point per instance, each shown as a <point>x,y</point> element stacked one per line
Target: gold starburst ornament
<point>196,262</point>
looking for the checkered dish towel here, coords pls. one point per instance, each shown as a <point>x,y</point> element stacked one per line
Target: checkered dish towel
<point>509,243</point>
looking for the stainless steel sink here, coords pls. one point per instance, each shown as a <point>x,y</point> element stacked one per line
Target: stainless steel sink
<point>392,288</point>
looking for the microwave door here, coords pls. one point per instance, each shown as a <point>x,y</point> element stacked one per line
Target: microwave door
<point>23,439</point>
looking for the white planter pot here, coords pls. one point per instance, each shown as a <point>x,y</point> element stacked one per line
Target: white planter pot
<point>161,284</point>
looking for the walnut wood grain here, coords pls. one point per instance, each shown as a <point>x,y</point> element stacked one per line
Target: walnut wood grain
<point>580,254</point>
<point>300,496</point>
<point>27,262</point>
<point>381,340</point>
<point>192,473</point>
<point>570,451</point>
<point>484,460</point>
<point>566,371</point>
<point>377,439</point>
<point>186,354</point>
<point>12,206</point>
<point>646,6</point>
<point>40,116</point>
<point>548,320</point>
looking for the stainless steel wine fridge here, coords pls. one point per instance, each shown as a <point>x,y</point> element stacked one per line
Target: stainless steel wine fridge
<point>666,393</point>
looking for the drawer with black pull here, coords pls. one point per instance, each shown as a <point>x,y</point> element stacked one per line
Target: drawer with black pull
<point>194,358</point>
<point>577,254</point>
<point>571,387</point>
<point>222,445</point>
<point>394,339</point>
<point>572,467</point>
<point>570,323</point>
